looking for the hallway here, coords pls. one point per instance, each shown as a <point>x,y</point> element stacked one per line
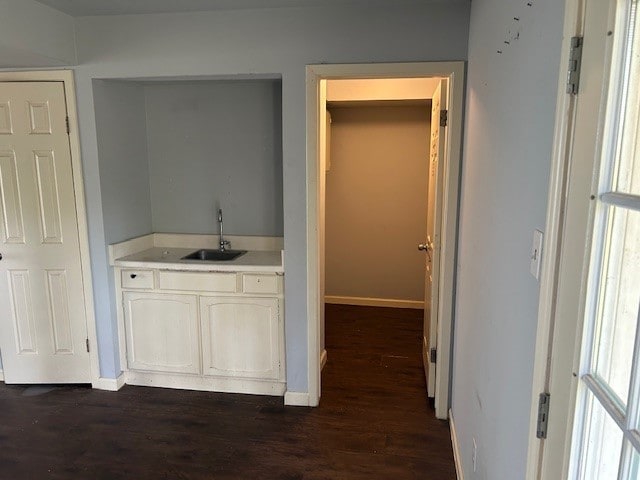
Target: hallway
<point>373,422</point>
<point>374,377</point>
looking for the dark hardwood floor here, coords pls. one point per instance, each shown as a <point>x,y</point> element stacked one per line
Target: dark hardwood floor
<point>374,421</point>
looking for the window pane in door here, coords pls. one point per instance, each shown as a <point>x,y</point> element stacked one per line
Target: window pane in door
<point>628,164</point>
<point>602,444</point>
<point>634,467</point>
<point>619,299</point>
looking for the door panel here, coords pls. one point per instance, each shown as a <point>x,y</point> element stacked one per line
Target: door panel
<point>13,231</point>
<point>58,295</point>
<point>432,247</point>
<point>50,222</point>
<point>22,312</point>
<point>42,317</point>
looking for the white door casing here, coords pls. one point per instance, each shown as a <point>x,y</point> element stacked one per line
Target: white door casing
<point>454,73</point>
<point>431,247</point>
<point>43,331</point>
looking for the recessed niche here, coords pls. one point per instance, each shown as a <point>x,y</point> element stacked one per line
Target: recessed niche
<point>172,152</point>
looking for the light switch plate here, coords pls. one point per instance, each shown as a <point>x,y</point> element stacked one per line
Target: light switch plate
<point>536,254</point>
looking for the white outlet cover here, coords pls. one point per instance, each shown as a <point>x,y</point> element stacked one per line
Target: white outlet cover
<point>536,254</point>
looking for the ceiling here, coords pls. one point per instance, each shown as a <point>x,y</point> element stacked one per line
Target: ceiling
<point>80,8</point>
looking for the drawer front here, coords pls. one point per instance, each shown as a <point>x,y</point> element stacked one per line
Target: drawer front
<point>255,283</point>
<point>196,281</point>
<point>137,279</point>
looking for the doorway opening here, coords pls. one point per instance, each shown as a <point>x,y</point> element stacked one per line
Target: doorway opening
<point>439,246</point>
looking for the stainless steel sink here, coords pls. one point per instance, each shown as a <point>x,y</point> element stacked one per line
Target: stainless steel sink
<point>214,255</point>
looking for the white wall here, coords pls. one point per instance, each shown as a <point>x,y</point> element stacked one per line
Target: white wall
<point>276,41</point>
<point>376,202</point>
<point>35,35</point>
<point>508,146</point>
<point>215,145</point>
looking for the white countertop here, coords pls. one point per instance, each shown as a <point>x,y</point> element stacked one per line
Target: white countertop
<point>168,258</point>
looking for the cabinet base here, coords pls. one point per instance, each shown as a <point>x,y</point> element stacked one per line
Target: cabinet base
<point>207,384</point>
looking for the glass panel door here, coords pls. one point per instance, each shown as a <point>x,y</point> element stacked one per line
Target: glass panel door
<point>607,440</point>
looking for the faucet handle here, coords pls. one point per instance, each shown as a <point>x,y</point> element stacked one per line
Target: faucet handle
<point>219,215</point>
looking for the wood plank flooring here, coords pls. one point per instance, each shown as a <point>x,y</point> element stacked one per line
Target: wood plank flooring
<point>374,421</point>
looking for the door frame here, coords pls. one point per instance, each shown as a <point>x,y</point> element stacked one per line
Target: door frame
<point>67,80</point>
<point>455,73</point>
<point>562,167</point>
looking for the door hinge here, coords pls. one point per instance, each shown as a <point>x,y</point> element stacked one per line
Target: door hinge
<point>444,117</point>
<point>87,345</point>
<point>575,62</point>
<point>433,355</point>
<point>543,415</point>
<point>68,125</point>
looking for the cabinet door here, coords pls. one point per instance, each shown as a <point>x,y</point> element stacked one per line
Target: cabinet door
<point>162,332</point>
<point>240,337</point>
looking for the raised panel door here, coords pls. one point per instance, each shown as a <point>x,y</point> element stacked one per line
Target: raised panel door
<point>162,332</point>
<point>42,312</point>
<point>240,337</point>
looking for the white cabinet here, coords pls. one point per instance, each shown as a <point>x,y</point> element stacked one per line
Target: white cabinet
<point>162,332</point>
<point>240,336</point>
<point>198,281</point>
<point>215,331</point>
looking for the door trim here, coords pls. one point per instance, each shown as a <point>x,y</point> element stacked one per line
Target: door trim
<point>455,72</point>
<point>553,241</point>
<point>66,77</point>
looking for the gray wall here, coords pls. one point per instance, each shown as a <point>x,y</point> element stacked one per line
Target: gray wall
<point>35,35</point>
<point>216,144</point>
<point>376,202</point>
<point>124,183</point>
<point>270,41</point>
<point>508,146</point>
<point>124,171</point>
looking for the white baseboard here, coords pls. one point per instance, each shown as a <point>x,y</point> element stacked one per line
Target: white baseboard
<point>373,302</point>
<point>323,359</point>
<point>1,376</point>
<point>296,399</point>
<point>456,448</point>
<point>110,384</point>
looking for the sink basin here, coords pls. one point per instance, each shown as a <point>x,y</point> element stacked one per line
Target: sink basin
<point>214,255</point>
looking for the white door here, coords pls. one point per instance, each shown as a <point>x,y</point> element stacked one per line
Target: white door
<point>594,417</point>
<point>606,439</point>
<point>432,245</point>
<point>42,319</point>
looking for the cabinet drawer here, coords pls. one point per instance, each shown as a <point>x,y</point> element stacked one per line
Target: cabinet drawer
<point>255,283</point>
<point>195,281</point>
<point>137,278</point>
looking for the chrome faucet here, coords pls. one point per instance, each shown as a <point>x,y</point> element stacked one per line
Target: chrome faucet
<point>223,243</point>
